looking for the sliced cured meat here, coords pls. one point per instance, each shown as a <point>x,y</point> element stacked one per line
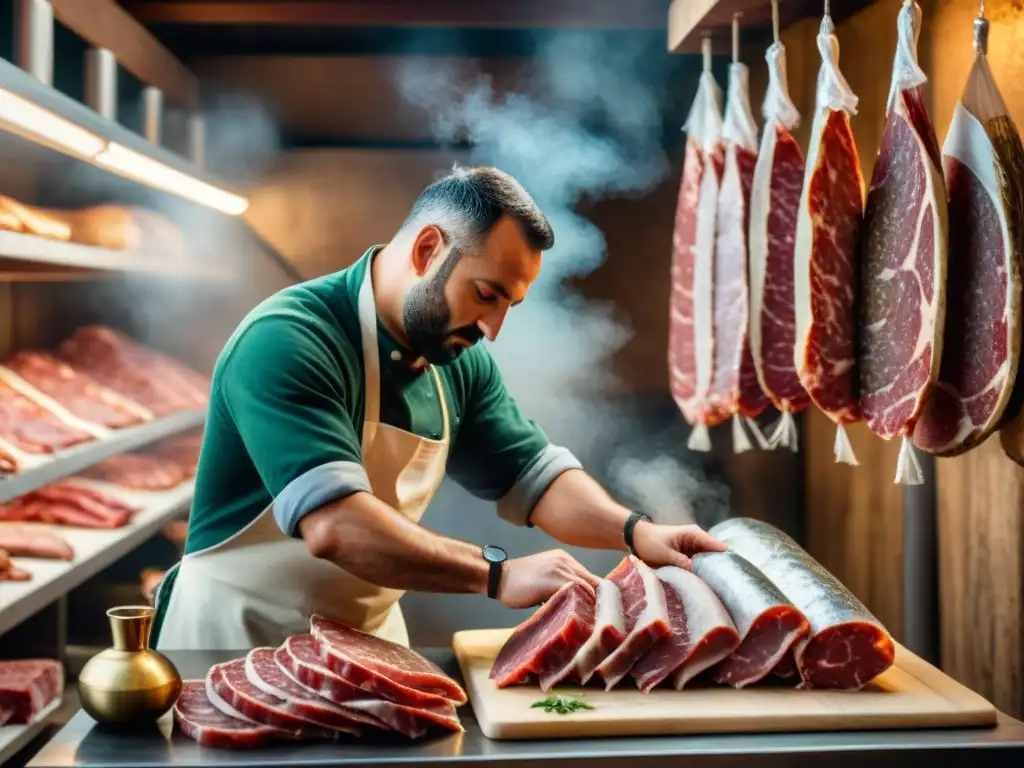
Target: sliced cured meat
<point>28,686</point>
<point>693,244</point>
<point>380,666</point>
<point>608,633</point>
<point>23,542</point>
<point>76,391</point>
<point>646,614</point>
<point>68,503</point>
<point>9,571</point>
<point>199,719</point>
<point>549,639</point>
<point>143,471</point>
<point>31,429</point>
<point>787,669</point>
<point>774,202</point>
<point>983,160</point>
<point>702,632</point>
<point>847,647</point>
<point>826,249</point>
<point>734,390</point>
<point>768,624</point>
<point>299,659</point>
<point>903,260</point>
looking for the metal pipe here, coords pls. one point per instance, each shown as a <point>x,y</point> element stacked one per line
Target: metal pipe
<point>35,39</point>
<point>197,139</point>
<point>153,113</point>
<point>920,566</point>
<point>101,82</point>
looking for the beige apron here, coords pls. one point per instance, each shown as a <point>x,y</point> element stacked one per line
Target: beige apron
<point>260,586</point>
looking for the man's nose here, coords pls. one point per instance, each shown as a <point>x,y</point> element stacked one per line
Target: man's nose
<point>491,323</point>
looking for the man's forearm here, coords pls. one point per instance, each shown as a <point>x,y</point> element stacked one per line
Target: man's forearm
<point>577,511</point>
<point>376,543</point>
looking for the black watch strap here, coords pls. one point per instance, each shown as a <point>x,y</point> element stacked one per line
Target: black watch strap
<point>627,529</point>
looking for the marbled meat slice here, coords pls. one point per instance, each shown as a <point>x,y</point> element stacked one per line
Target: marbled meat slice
<point>608,633</point>
<point>24,542</point>
<point>702,632</point>
<point>142,471</point>
<point>79,393</point>
<point>28,686</point>
<point>9,571</point>
<point>300,660</point>
<point>66,503</point>
<point>380,666</point>
<point>200,720</point>
<point>767,622</point>
<point>646,614</point>
<point>232,686</point>
<point>847,647</point>
<point>549,639</point>
<point>787,669</point>
<point>31,428</point>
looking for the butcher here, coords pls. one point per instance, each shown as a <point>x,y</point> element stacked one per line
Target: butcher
<point>337,407</point>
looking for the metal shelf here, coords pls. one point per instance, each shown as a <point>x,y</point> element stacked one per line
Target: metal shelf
<point>95,549</point>
<point>85,455</point>
<point>13,738</point>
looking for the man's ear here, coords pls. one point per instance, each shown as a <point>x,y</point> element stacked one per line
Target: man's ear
<point>427,248</point>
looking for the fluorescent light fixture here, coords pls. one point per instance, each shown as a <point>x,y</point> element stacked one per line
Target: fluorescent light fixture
<point>156,174</point>
<point>28,118</point>
<point>39,124</point>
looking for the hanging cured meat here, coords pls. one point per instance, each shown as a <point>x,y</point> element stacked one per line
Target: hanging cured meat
<point>825,254</point>
<point>734,390</point>
<point>984,166</point>
<point>774,202</point>
<point>903,266</point>
<point>693,244</point>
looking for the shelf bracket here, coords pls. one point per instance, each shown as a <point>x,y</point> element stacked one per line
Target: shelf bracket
<point>153,113</point>
<point>34,19</point>
<point>101,82</point>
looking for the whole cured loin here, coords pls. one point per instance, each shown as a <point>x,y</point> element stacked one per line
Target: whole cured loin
<point>826,249</point>
<point>983,160</point>
<point>734,391</point>
<point>903,260</point>
<point>693,245</point>
<point>774,201</point>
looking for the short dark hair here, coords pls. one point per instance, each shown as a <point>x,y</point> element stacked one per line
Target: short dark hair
<point>468,202</point>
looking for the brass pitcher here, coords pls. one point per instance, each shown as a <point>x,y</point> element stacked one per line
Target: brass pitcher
<point>129,684</point>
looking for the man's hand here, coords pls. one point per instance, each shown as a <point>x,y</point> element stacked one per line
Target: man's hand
<point>660,545</point>
<point>529,581</point>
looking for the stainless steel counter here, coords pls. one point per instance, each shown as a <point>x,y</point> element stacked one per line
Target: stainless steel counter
<point>82,743</point>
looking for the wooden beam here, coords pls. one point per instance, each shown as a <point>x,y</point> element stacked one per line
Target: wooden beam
<point>104,24</point>
<point>539,14</point>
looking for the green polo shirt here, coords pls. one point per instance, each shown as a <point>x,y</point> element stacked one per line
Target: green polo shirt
<point>286,415</point>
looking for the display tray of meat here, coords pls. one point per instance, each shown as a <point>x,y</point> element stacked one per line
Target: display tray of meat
<point>162,466</point>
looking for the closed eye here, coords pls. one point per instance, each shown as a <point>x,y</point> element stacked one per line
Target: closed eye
<point>486,298</point>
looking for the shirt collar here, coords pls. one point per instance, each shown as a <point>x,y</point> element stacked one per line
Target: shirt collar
<point>395,358</point>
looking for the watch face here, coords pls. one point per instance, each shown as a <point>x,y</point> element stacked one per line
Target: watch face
<point>494,554</point>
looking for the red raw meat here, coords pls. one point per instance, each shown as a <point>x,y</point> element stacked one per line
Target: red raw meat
<point>139,471</point>
<point>65,503</point>
<point>79,393</point>
<point>9,571</point>
<point>702,632</point>
<point>767,622</point>
<point>608,633</point>
<point>825,253</point>
<point>646,614</point>
<point>379,666</point>
<point>299,658</point>
<point>23,542</point>
<point>30,428</point>
<point>548,640</point>
<point>847,646</point>
<point>903,261</point>
<point>201,721</point>
<point>28,686</point>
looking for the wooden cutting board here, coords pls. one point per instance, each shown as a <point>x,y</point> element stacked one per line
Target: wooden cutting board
<point>911,694</point>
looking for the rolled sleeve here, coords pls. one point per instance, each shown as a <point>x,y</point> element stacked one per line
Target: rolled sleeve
<point>517,505</point>
<point>320,485</point>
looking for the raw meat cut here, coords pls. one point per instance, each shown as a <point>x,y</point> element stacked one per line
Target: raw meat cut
<point>702,632</point>
<point>158,467</point>
<point>903,260</point>
<point>199,719</point>
<point>262,671</point>
<point>646,614</point>
<point>549,639</point>
<point>231,684</point>
<point>9,571</point>
<point>379,666</point>
<point>825,252</point>
<point>27,429</point>
<point>734,391</point>
<point>774,203</point>
<point>767,621</point>
<point>787,669</point>
<point>983,160</point>
<point>693,244</point>
<point>299,659</point>
<point>28,686</point>
<point>23,542</point>
<point>75,391</point>
<point>68,503</point>
<point>608,633</point>
<point>847,646</point>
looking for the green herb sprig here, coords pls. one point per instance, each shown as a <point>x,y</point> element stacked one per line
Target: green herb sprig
<point>563,705</point>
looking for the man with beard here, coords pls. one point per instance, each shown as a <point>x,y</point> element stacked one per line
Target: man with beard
<point>338,406</point>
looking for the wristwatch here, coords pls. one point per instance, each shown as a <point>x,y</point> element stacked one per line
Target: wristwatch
<point>496,556</point>
<point>627,530</point>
